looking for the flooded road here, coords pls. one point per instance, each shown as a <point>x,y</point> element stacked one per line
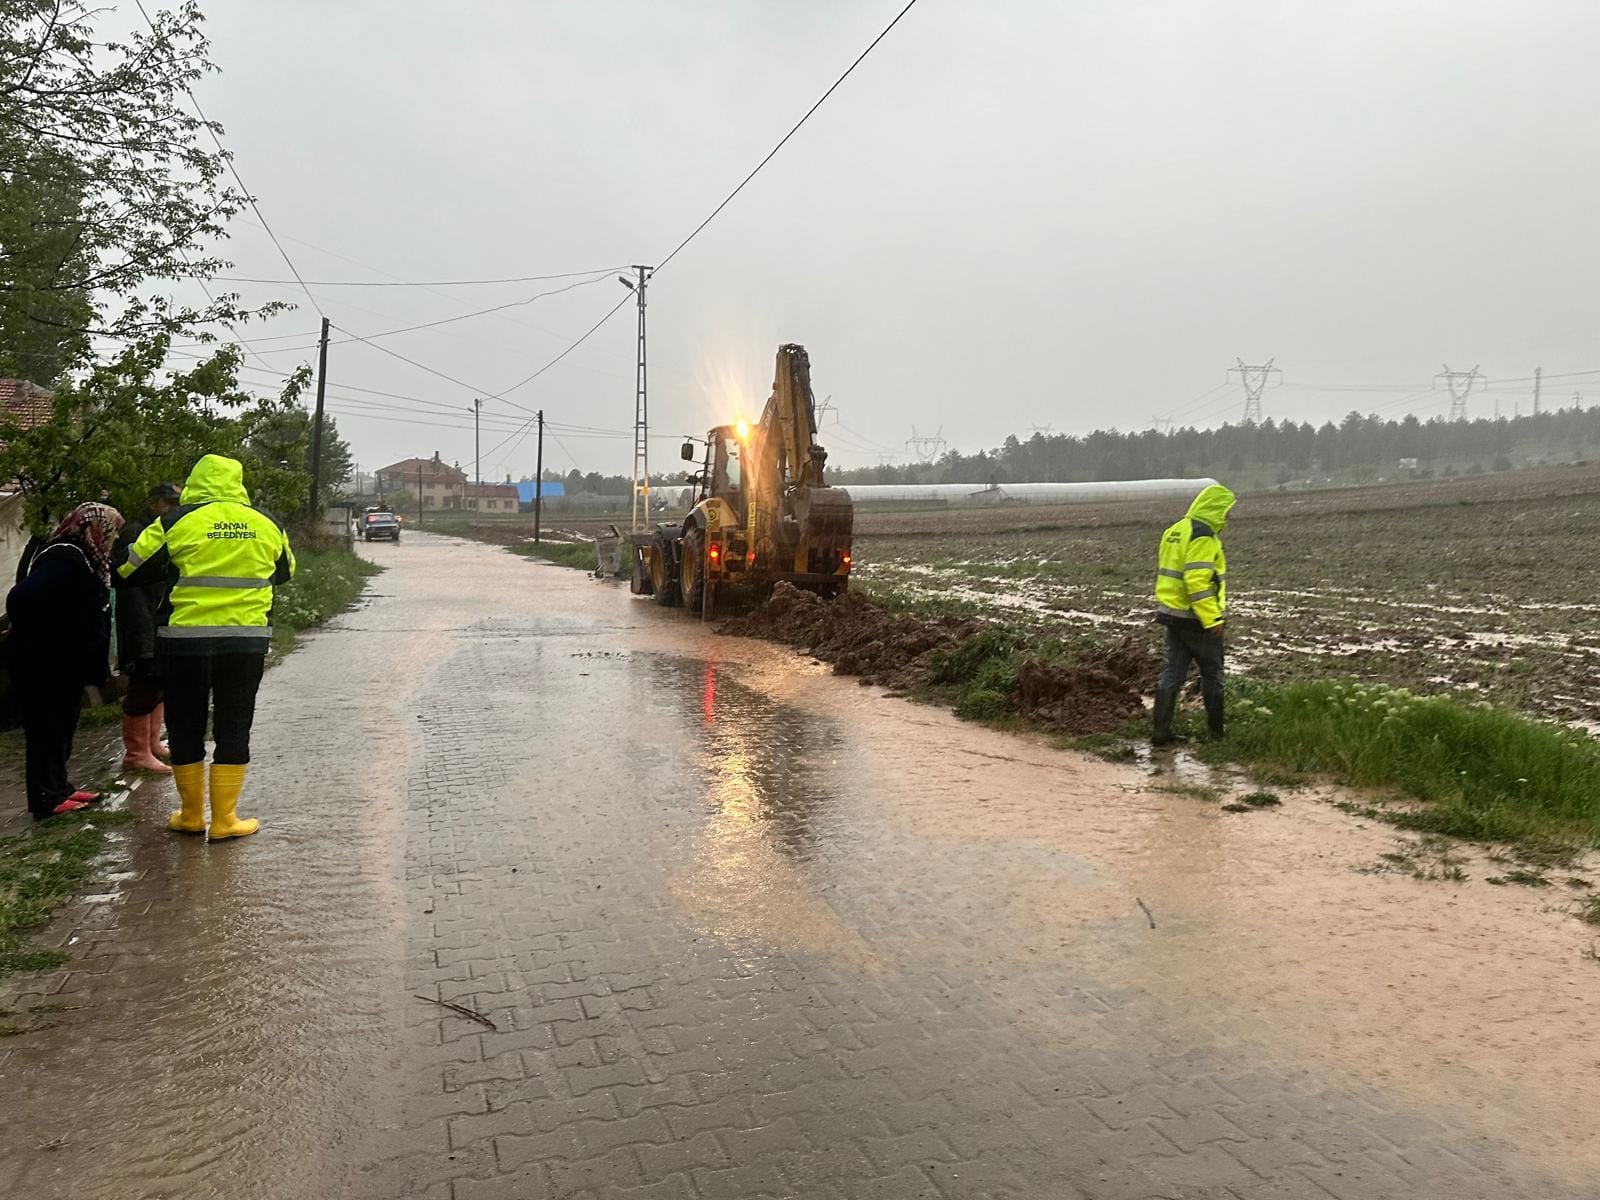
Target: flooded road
<point>717,923</point>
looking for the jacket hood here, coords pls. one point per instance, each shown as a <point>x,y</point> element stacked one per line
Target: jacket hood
<point>1211,506</point>
<point>216,478</point>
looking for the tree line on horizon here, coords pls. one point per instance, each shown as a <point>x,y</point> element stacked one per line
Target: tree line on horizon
<point>1358,447</point>
<point>1287,451</point>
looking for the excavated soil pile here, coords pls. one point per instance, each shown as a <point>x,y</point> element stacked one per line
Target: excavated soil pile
<point>854,634</point>
<point>895,650</point>
<point>1100,694</point>
<point>1076,699</point>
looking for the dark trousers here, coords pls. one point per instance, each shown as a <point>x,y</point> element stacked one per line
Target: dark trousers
<point>49,721</point>
<point>1187,642</point>
<point>222,686</point>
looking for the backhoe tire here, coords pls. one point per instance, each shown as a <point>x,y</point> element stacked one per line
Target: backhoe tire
<point>692,571</point>
<point>663,573</point>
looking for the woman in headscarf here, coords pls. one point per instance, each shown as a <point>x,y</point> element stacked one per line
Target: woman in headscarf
<point>60,643</point>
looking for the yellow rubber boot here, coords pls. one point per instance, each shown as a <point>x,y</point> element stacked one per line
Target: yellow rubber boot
<point>227,781</point>
<point>191,781</point>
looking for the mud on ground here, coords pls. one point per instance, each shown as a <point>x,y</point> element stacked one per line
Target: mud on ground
<point>899,651</point>
<point>1477,587</point>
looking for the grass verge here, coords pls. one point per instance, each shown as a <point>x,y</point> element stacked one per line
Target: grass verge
<point>566,554</point>
<point>326,583</point>
<point>1465,770</point>
<point>41,869</point>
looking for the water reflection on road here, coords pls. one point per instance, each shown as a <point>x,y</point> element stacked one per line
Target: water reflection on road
<point>767,772</point>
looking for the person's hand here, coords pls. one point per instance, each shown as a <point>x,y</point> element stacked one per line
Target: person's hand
<point>1215,630</point>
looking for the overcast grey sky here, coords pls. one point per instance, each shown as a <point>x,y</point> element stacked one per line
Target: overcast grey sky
<point>1013,214</point>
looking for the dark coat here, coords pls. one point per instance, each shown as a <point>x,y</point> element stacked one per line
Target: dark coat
<point>35,544</point>
<point>138,605</point>
<point>60,623</point>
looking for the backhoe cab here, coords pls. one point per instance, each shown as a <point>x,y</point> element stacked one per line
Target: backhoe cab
<point>760,510</point>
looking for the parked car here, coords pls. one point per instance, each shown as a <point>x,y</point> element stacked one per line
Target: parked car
<point>380,523</point>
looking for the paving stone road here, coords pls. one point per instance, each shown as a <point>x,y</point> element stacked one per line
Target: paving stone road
<point>734,928</point>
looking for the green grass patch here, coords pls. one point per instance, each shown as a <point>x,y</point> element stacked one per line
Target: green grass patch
<point>1481,773</point>
<point>39,870</point>
<point>581,555</point>
<point>1428,857</point>
<point>326,583</point>
<point>1195,791</point>
<point>1259,800</point>
<point>1522,877</point>
<point>1112,747</point>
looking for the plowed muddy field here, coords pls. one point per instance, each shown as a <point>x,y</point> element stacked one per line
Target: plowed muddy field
<point>1480,587</point>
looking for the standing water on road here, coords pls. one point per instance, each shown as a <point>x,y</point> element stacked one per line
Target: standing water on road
<point>715,921</point>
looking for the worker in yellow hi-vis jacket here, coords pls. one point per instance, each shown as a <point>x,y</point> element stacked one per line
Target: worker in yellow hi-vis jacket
<point>1191,601</point>
<point>223,558</point>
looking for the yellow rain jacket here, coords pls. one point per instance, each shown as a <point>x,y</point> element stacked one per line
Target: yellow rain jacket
<point>1191,578</point>
<point>224,558</point>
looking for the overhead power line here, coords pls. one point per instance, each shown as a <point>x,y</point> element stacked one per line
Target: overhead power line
<point>234,171</point>
<point>418,283</point>
<point>784,140</point>
<point>582,338</point>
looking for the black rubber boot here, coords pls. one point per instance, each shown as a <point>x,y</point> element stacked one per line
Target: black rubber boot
<point>1166,710</point>
<point>1214,710</point>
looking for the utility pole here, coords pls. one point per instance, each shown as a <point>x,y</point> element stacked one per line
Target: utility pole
<point>419,493</point>
<point>641,406</point>
<point>1537,382</point>
<point>1460,384</point>
<point>316,424</point>
<point>477,443</point>
<point>1255,378</point>
<point>538,481</point>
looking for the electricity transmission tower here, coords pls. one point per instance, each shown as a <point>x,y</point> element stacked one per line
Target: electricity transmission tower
<point>1161,424</point>
<point>826,407</point>
<point>927,449</point>
<point>1046,430</point>
<point>1460,384</point>
<point>1255,378</point>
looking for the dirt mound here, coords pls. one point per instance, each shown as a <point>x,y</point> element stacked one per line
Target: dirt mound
<point>1133,660</point>
<point>1076,698</point>
<point>854,634</point>
<point>896,651</point>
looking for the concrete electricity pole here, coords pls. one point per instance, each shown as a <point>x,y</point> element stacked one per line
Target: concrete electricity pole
<point>538,481</point>
<point>316,424</point>
<point>1255,379</point>
<point>477,444</point>
<point>1537,372</point>
<point>641,405</point>
<point>1460,384</point>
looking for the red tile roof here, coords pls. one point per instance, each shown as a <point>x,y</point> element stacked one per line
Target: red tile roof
<point>431,471</point>
<point>26,403</point>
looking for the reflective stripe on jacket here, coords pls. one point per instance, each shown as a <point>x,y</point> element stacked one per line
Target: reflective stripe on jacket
<point>228,557</point>
<point>1191,572</point>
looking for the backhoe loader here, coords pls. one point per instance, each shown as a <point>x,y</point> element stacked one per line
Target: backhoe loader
<point>760,510</point>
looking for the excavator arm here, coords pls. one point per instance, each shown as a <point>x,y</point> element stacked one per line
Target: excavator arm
<point>794,505</point>
<point>789,423</point>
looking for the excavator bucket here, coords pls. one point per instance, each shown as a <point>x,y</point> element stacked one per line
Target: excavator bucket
<point>826,515</point>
